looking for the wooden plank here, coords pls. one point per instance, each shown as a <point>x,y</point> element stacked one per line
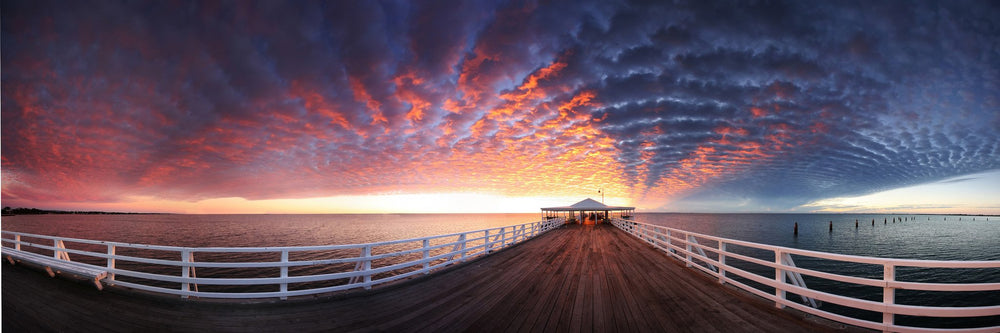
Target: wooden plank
<point>552,280</point>
<point>584,298</point>
<point>498,298</point>
<point>602,314</point>
<point>576,278</point>
<point>568,292</point>
<point>550,275</point>
<point>619,288</point>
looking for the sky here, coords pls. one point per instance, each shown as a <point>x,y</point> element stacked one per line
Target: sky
<point>481,106</point>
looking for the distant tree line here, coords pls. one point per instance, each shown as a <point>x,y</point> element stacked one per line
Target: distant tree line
<point>35,211</point>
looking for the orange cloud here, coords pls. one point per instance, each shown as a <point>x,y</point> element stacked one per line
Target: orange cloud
<point>406,92</point>
<point>361,95</point>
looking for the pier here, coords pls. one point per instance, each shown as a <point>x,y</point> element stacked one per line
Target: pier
<point>616,274</point>
<point>574,278</point>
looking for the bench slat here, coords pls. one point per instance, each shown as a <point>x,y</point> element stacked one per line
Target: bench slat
<point>55,266</point>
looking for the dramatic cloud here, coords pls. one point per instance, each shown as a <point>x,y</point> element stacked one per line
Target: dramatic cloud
<point>768,104</point>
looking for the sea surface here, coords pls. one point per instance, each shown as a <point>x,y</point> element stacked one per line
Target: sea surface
<point>937,237</point>
<point>934,237</point>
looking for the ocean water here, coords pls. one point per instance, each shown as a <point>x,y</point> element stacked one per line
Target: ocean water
<point>257,230</point>
<point>936,237</point>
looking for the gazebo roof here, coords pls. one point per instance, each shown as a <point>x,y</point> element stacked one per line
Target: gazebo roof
<point>587,205</point>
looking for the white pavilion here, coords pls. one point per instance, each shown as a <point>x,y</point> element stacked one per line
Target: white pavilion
<point>590,211</point>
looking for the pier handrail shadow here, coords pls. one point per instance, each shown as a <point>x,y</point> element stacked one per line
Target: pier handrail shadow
<point>786,279</point>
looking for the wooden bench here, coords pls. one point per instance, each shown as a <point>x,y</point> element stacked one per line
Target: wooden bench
<point>55,266</point>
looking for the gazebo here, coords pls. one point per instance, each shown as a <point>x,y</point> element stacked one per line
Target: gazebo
<point>596,209</point>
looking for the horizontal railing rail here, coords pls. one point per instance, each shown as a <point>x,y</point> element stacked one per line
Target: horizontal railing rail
<point>287,271</point>
<point>684,246</point>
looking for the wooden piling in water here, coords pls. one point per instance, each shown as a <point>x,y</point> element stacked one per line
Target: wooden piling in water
<point>855,224</point>
<point>831,226</point>
<point>796,232</point>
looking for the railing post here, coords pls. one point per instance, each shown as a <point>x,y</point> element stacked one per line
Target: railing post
<point>17,242</point>
<point>194,271</point>
<point>488,244</point>
<point>185,271</point>
<point>779,276</point>
<point>427,255</point>
<point>796,279</point>
<point>687,246</point>
<point>503,239</point>
<point>459,245</point>
<point>464,241</point>
<point>367,266</point>
<point>722,262</point>
<point>111,261</point>
<point>888,295</point>
<point>63,255</point>
<point>284,274</point>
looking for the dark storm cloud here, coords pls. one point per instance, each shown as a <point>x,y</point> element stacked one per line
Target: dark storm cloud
<point>780,102</point>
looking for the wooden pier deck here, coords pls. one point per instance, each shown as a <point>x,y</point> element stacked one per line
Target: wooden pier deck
<point>572,279</point>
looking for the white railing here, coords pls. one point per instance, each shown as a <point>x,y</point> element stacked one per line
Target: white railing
<point>683,246</point>
<point>270,272</point>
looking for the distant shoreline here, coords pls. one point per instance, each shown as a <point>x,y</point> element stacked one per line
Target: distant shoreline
<point>7,211</point>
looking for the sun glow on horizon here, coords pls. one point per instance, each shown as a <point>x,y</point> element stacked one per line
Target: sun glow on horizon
<point>393,203</point>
